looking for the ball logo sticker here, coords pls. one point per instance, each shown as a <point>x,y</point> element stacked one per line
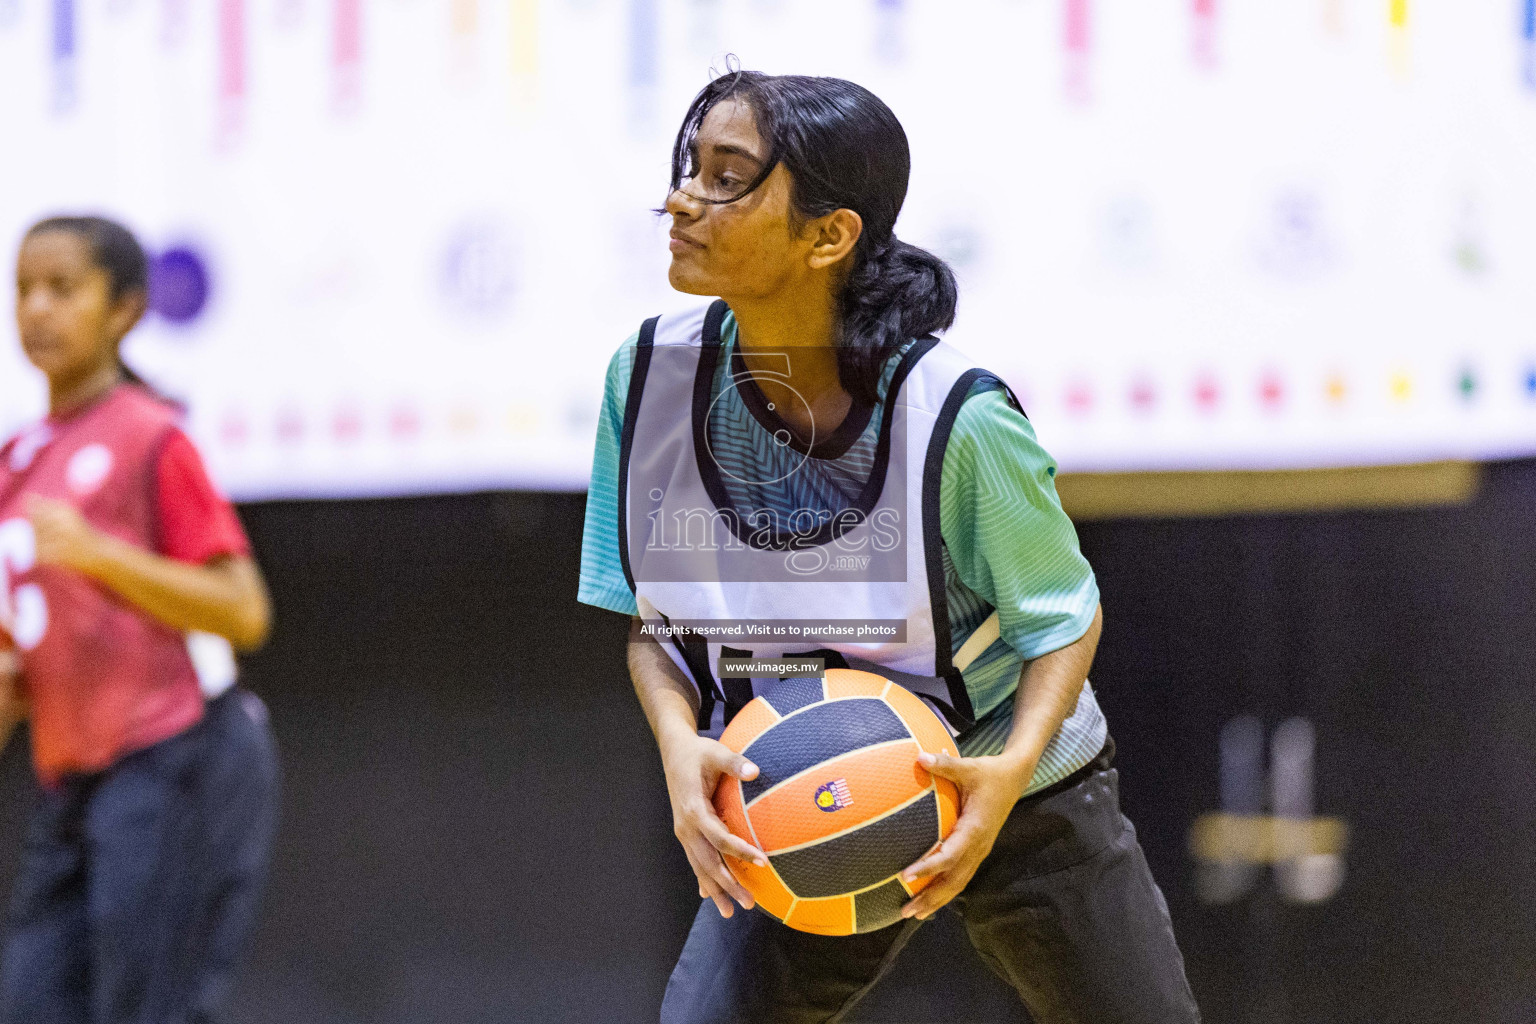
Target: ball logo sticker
<point>833,796</point>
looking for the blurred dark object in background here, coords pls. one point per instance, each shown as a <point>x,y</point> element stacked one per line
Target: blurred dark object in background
<point>475,827</point>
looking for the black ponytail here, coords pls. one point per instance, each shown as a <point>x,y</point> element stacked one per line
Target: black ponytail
<point>115,250</point>
<point>892,295</point>
<point>844,149</point>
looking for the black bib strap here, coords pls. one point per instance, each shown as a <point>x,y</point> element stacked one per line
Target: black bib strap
<point>695,652</point>
<point>958,712</point>
<point>830,659</point>
<point>643,348</point>
<point>738,692</point>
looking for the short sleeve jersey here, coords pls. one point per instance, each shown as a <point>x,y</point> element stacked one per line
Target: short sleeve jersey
<point>197,523</point>
<point>1007,543</point>
<point>106,681</point>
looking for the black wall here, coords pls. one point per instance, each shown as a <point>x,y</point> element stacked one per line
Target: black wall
<point>475,826</point>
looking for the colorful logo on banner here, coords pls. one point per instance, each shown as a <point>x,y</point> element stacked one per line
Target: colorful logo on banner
<point>1271,392</point>
<point>525,51</point>
<point>231,71</point>
<point>347,55</point>
<point>287,14</point>
<point>65,74</point>
<point>1207,392</point>
<point>404,422</point>
<point>1293,240</point>
<point>644,60</point>
<point>1077,23</point>
<point>1469,247</point>
<point>479,270</point>
<point>1397,37</point>
<point>173,22</point>
<point>1300,232</point>
<point>463,58</point>
<point>1528,44</point>
<point>1203,34</point>
<point>179,285</point>
<point>890,31</point>
<point>1466,384</point>
<point>1143,395</point>
<point>1128,235</point>
<point>644,44</point>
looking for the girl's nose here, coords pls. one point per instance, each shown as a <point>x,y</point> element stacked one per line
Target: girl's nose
<point>681,204</point>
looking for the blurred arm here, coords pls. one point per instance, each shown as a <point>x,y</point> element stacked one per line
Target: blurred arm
<point>225,596</point>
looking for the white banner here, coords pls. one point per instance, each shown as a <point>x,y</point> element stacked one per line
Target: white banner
<point>397,241</point>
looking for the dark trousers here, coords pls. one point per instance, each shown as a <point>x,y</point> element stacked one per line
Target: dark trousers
<point>139,886</point>
<point>1063,909</point>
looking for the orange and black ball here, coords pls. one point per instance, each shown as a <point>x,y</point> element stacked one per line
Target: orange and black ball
<point>840,804</point>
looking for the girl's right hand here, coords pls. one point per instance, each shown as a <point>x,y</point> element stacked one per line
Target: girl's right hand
<point>694,765</point>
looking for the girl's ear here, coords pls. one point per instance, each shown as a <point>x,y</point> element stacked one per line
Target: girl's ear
<point>834,237</point>
<point>127,309</point>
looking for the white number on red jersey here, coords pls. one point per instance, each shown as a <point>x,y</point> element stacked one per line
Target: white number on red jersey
<point>23,610</point>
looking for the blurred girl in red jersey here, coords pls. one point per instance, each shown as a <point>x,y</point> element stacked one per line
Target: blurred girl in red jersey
<point>124,580</point>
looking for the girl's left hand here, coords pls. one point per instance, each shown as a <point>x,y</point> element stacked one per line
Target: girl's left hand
<point>64,538</point>
<point>989,787</point>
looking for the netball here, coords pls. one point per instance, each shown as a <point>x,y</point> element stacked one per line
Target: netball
<point>840,804</point>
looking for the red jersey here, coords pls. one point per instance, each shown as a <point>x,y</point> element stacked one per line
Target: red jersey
<point>103,678</point>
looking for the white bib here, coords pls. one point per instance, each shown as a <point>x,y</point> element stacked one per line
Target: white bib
<point>693,557</point>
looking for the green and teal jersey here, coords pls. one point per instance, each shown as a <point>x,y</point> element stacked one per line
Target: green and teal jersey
<point>1007,543</point>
